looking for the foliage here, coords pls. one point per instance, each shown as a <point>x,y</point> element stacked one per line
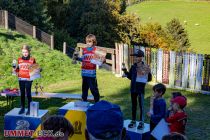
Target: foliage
<point>61,36</point>
<point>33,11</point>
<point>129,29</point>
<point>101,18</point>
<point>178,33</point>
<point>153,35</point>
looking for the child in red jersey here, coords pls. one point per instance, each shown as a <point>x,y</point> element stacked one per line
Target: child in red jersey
<point>25,83</point>
<point>89,80</point>
<point>178,119</point>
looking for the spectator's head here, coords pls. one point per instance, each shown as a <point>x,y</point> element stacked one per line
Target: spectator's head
<point>25,51</point>
<point>59,123</point>
<point>91,40</point>
<point>105,122</point>
<point>138,56</point>
<point>174,136</point>
<point>179,102</point>
<point>175,94</point>
<point>159,90</point>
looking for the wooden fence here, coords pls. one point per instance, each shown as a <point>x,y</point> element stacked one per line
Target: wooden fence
<point>10,21</point>
<point>177,70</point>
<point>180,70</point>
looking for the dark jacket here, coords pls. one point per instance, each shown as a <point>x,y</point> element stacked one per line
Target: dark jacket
<point>159,109</point>
<point>132,74</point>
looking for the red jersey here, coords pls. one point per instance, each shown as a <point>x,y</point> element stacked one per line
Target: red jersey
<point>177,122</point>
<point>88,68</point>
<point>23,65</point>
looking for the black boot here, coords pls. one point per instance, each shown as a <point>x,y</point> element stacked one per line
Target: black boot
<point>22,110</point>
<point>28,111</point>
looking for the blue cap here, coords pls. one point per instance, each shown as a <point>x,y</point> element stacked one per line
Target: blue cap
<point>104,120</point>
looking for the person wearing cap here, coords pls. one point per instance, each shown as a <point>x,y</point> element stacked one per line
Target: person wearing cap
<point>177,121</point>
<point>104,122</point>
<point>138,74</point>
<point>174,95</point>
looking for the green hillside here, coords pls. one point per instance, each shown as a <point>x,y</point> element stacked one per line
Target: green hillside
<point>56,66</point>
<point>59,75</point>
<point>195,14</point>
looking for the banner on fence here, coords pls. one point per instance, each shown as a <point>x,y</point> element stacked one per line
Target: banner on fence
<point>154,64</point>
<point>172,69</point>
<point>159,65</point>
<point>166,67</point>
<point>199,70</point>
<point>148,56</point>
<point>178,70</point>
<point>185,70</point>
<point>206,73</point>
<point>192,71</point>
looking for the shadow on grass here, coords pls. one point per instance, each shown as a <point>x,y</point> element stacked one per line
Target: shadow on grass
<point>11,36</point>
<point>71,91</point>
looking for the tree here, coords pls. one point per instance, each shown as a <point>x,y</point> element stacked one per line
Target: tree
<point>32,11</point>
<point>99,17</point>
<point>179,34</point>
<point>123,6</point>
<point>153,35</point>
<point>129,29</point>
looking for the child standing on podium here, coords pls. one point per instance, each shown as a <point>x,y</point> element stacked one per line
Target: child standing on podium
<point>25,83</point>
<point>139,76</point>
<point>89,69</point>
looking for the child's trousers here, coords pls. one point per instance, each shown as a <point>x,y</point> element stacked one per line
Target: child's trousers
<point>140,87</point>
<point>25,88</point>
<point>90,82</point>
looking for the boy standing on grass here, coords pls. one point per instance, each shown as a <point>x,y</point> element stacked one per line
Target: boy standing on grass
<point>89,69</point>
<point>157,106</point>
<point>138,74</point>
<point>178,119</point>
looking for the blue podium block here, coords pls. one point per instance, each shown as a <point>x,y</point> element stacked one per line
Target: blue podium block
<point>23,123</point>
<point>136,134</point>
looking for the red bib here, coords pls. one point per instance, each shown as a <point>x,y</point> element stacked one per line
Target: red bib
<point>24,67</point>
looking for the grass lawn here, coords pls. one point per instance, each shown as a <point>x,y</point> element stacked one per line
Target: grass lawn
<point>59,75</point>
<point>192,12</point>
<point>116,90</point>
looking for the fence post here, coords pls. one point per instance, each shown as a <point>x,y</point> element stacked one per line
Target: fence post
<point>34,31</point>
<point>117,57</point>
<point>113,62</point>
<point>125,53</point>
<point>120,58</point>
<point>6,24</point>
<point>64,47</point>
<point>52,42</point>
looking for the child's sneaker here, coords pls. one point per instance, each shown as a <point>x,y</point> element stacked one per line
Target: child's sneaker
<point>141,125</point>
<point>132,124</point>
